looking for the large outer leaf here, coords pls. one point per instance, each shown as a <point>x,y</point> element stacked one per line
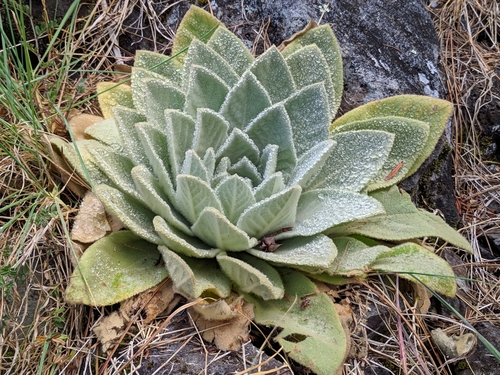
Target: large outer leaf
<point>402,221</point>
<point>434,112</point>
<point>196,24</point>
<point>112,94</point>
<point>355,159</point>
<point>168,67</point>
<point>409,260</point>
<point>313,335</point>
<point>321,209</point>
<point>410,137</point>
<point>115,268</point>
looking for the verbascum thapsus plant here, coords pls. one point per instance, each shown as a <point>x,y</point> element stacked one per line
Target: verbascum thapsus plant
<point>231,177</point>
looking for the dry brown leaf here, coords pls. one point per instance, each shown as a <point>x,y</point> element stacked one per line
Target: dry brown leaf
<point>422,298</point>
<point>226,323</point>
<point>91,223</point>
<point>110,329</point>
<point>79,123</point>
<point>152,302</point>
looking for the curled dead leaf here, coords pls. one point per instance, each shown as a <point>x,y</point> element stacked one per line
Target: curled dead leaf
<point>110,329</point>
<point>152,302</point>
<point>453,346</point>
<point>226,323</point>
<point>91,223</point>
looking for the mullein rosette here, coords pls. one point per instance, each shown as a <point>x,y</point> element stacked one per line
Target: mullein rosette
<point>229,175</point>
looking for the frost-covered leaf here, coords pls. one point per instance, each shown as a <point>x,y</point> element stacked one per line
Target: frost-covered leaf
<point>309,66</point>
<point>321,209</point>
<point>129,211</point>
<point>434,112</point>
<point>168,67</point>
<point>181,242</point>
<point>111,94</point>
<point>232,49</point>
<point>272,185</point>
<point>139,76</point>
<point>210,131</point>
<point>194,166</point>
<point>271,214</point>
<point>273,127</point>
<point>117,167</point>
<point>354,161</point>
<point>89,170</point>
<point>246,169</point>
<point>245,101</point>
<point>105,132</point>
<point>196,24</point>
<point>401,221</point>
<point>126,119</point>
<point>199,54</point>
<point>155,143</point>
<point>311,162</point>
<point>312,332</point>
<point>180,132</point>
<point>152,194</point>
<point>272,72</point>
<point>315,251</point>
<point>193,195</point>
<point>160,96</point>
<point>252,275</point>
<point>216,230</point>
<point>193,277</point>
<point>235,196</point>
<point>413,262</point>
<point>237,146</point>
<point>324,38</point>
<point>115,268</point>
<point>204,90</point>
<point>308,113</point>
<point>409,139</point>
<point>268,160</point>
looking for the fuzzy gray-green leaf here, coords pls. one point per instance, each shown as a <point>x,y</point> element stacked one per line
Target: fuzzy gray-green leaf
<point>273,73</point>
<point>235,196</point>
<point>216,230</point>
<point>153,195</point>
<point>113,269</point>
<point>273,127</point>
<point>232,49</point>
<point>129,211</point>
<point>252,275</point>
<point>126,119</point>
<point>192,277</point>
<point>205,90</point>
<point>271,214</point>
<point>181,242</point>
<point>321,209</point>
<point>271,185</point>
<point>245,101</point>
<point>309,66</point>
<point>211,130</point>
<point>237,146</point>
<point>193,195</point>
<point>354,161</point>
<point>199,54</point>
<point>316,251</point>
<point>307,110</point>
